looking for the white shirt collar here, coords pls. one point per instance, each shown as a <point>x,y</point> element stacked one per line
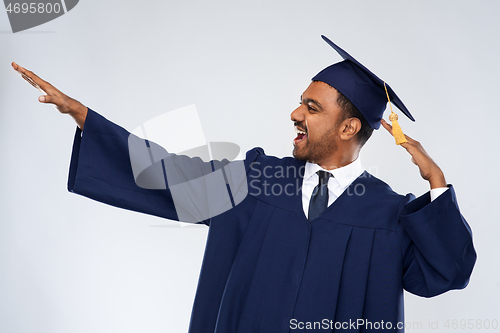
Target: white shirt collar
<point>344,175</point>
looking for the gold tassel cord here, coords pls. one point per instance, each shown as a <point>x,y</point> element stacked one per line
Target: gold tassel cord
<point>397,132</point>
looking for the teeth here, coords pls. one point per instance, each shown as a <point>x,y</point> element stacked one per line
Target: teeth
<point>299,131</point>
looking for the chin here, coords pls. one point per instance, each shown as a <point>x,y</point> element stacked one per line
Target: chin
<point>298,155</point>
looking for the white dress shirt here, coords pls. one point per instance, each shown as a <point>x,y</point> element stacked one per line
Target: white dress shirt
<point>342,178</point>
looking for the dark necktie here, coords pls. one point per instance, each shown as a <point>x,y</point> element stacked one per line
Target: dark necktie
<point>319,197</point>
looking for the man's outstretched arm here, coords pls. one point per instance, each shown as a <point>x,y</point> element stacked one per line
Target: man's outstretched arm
<point>63,103</point>
<point>113,166</point>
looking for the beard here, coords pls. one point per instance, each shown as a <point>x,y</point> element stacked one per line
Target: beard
<point>316,151</point>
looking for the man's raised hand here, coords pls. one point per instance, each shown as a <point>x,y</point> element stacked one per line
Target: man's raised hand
<point>52,95</point>
<point>429,170</point>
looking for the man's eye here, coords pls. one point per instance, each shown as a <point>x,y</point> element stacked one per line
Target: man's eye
<point>311,108</point>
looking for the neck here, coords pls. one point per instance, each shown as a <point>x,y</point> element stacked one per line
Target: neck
<point>339,159</point>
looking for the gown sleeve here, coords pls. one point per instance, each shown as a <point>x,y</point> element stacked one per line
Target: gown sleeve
<point>437,245</point>
<point>100,169</point>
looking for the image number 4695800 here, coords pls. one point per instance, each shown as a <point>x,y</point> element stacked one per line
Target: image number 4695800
<point>26,15</point>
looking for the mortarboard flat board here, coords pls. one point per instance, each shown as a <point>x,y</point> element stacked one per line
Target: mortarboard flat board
<point>363,88</point>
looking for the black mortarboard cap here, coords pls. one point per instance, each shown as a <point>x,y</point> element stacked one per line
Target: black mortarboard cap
<point>363,88</point>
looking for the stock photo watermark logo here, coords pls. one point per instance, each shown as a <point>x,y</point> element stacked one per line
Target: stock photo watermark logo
<point>170,152</point>
<point>24,15</point>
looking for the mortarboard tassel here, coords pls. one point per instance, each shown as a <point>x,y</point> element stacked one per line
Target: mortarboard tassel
<point>397,132</point>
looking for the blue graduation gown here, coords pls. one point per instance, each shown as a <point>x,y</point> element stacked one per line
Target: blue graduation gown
<point>267,268</point>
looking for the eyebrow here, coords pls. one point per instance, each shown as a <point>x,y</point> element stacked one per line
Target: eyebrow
<point>313,101</point>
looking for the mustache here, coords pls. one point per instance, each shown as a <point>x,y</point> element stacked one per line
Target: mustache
<point>300,125</point>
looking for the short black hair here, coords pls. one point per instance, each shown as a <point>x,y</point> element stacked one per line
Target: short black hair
<point>350,111</point>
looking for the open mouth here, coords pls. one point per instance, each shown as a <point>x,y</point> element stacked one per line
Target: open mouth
<point>301,135</point>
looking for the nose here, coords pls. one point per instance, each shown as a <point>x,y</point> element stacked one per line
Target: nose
<point>297,115</point>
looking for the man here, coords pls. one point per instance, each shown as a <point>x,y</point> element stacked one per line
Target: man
<point>333,249</point>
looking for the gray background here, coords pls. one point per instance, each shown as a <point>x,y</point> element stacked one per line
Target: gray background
<point>69,264</point>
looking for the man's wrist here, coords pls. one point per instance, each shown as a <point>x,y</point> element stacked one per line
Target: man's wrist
<point>437,180</point>
<point>79,113</point>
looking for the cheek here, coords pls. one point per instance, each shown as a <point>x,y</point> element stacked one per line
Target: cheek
<point>320,128</point>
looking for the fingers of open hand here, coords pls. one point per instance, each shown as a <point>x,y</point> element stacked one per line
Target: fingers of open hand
<point>35,80</point>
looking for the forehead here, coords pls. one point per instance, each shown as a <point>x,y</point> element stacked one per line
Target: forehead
<point>322,93</point>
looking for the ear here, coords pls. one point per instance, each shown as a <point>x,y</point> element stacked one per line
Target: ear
<point>349,128</point>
